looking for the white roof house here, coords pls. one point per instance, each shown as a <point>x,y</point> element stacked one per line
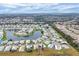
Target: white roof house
<point>1,33</point>
<point>1,48</point>
<point>14,47</point>
<point>7,48</point>
<point>63,42</point>
<point>22,48</point>
<point>22,41</point>
<point>35,46</point>
<point>30,30</point>
<point>44,45</point>
<point>41,45</point>
<point>53,38</point>
<point>34,41</point>
<point>50,46</point>
<point>16,42</point>
<point>39,40</point>
<point>9,43</point>
<point>47,42</point>
<point>58,47</point>
<point>4,42</point>
<point>65,46</point>
<point>29,46</point>
<point>27,41</point>
<point>59,40</point>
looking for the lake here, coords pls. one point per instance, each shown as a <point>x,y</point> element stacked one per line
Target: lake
<point>35,36</point>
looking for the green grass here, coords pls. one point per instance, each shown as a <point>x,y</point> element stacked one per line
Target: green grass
<point>4,35</point>
<point>29,34</point>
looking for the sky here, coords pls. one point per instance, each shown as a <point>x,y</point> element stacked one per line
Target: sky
<point>26,6</point>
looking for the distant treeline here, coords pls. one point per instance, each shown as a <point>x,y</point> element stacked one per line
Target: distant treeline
<point>39,17</point>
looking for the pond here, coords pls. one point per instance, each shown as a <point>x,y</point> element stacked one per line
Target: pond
<point>35,36</point>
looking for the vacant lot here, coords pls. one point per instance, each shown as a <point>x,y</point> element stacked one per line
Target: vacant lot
<point>45,52</point>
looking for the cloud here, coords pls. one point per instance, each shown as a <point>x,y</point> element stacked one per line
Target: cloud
<point>39,8</point>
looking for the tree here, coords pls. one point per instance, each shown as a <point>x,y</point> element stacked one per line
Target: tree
<point>4,35</point>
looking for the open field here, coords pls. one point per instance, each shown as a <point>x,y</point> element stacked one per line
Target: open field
<point>45,52</point>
